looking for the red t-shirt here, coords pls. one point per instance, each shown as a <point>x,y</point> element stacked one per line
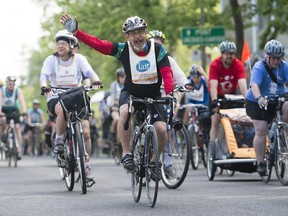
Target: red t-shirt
<point>227,78</point>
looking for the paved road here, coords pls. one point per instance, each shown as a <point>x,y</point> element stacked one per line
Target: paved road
<point>35,188</point>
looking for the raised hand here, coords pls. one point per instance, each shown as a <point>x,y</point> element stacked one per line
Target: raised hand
<point>69,23</point>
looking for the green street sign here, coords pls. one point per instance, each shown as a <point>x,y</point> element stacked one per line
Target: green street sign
<point>202,36</point>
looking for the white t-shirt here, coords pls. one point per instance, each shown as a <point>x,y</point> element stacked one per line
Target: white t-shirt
<point>179,76</point>
<point>77,63</point>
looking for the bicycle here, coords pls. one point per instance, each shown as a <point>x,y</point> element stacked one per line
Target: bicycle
<point>278,151</point>
<point>74,155</point>
<point>177,151</point>
<point>11,153</point>
<point>199,133</point>
<point>36,138</point>
<point>145,150</point>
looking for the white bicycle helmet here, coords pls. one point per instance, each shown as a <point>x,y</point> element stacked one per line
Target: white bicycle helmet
<point>36,101</point>
<point>10,79</point>
<point>133,23</point>
<point>67,36</point>
<point>274,48</point>
<point>228,46</point>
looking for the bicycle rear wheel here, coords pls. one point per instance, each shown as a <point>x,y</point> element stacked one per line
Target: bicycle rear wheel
<point>281,156</point>
<point>137,175</point>
<point>194,146</point>
<point>81,157</point>
<point>153,168</point>
<point>177,152</point>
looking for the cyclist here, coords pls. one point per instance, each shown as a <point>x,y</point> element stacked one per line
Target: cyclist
<point>65,70</point>
<point>115,90</point>
<point>261,85</point>
<point>144,73</point>
<point>10,98</point>
<point>198,79</point>
<point>35,118</point>
<point>226,74</point>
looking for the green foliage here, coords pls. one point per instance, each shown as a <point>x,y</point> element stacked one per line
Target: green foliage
<point>104,19</point>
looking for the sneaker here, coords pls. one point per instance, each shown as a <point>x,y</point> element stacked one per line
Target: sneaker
<point>58,146</point>
<point>152,168</point>
<point>262,169</point>
<point>170,172</point>
<point>128,162</point>
<point>88,173</point>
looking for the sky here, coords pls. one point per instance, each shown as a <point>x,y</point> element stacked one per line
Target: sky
<point>20,27</point>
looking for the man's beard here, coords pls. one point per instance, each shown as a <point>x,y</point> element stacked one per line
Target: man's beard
<point>137,49</point>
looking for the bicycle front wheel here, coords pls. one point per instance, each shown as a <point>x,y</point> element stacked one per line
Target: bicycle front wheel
<point>194,146</point>
<point>176,156</point>
<point>69,169</point>
<point>81,157</point>
<point>153,167</point>
<point>137,175</point>
<point>281,156</point>
<point>211,167</point>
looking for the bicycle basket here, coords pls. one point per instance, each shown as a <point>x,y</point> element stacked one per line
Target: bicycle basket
<point>74,99</point>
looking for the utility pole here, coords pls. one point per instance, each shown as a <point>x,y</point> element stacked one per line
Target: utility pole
<point>202,47</point>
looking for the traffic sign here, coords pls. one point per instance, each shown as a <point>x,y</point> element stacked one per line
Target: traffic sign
<point>202,36</point>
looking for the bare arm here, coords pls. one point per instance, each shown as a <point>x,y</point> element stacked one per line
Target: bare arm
<point>243,86</point>
<point>255,90</point>
<point>213,89</point>
<point>202,72</point>
<point>21,101</point>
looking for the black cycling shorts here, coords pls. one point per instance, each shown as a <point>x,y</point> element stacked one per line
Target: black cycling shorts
<point>51,108</point>
<point>255,112</point>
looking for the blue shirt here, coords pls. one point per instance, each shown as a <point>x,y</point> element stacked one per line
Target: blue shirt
<point>200,94</point>
<point>261,77</point>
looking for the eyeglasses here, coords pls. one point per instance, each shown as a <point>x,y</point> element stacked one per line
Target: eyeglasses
<point>11,83</point>
<point>229,53</point>
<point>63,44</point>
<point>134,33</point>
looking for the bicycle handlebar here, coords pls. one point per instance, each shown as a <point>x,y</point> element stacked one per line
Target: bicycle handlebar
<point>147,101</point>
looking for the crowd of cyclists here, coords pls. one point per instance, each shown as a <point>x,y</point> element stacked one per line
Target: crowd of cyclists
<point>147,71</point>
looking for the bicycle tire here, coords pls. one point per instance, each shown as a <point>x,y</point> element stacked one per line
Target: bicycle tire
<point>81,157</point>
<point>69,169</point>
<point>152,171</point>
<point>62,173</point>
<point>180,152</point>
<point>137,174</point>
<point>211,167</point>
<point>194,147</point>
<point>281,156</point>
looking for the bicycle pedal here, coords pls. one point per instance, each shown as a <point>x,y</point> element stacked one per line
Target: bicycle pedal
<point>90,183</point>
